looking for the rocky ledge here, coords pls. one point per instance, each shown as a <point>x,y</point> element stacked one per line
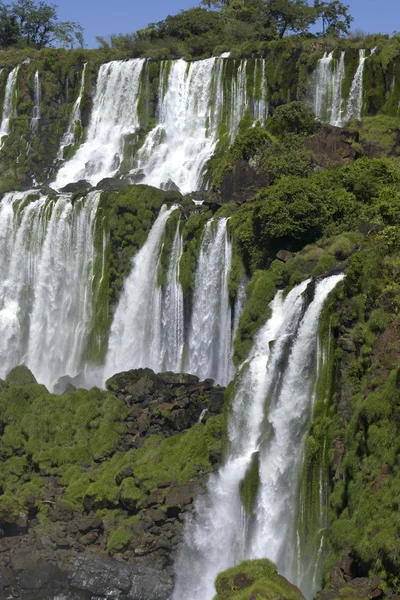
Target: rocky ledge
<point>113,544</point>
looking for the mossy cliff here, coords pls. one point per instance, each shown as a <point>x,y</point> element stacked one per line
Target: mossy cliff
<point>113,470</point>
<point>29,155</point>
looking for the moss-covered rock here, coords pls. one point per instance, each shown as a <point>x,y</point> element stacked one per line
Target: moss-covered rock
<point>20,376</point>
<point>255,579</point>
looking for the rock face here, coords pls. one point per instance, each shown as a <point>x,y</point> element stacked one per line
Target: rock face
<point>65,554</point>
<point>242,183</point>
<point>333,146</point>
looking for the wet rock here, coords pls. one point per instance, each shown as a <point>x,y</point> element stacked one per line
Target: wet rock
<point>170,186</point>
<point>79,186</point>
<point>107,578</point>
<point>112,184</point>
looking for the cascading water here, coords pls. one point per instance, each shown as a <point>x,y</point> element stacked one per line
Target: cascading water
<point>328,81</point>
<point>195,100</point>
<point>36,103</point>
<point>114,116</point>
<point>355,101</point>
<point>68,139</point>
<point>148,329</point>
<point>135,333</point>
<point>271,408</point>
<point>171,315</point>
<point>8,106</point>
<point>209,351</point>
<point>186,134</point>
<point>46,275</point>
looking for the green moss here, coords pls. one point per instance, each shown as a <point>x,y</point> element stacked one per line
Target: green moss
<point>250,484</point>
<point>119,540</point>
<point>20,376</point>
<point>254,579</point>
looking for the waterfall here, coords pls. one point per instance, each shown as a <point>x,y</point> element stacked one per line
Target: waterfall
<point>135,332</point>
<point>187,130</point>
<point>114,116</point>
<point>171,317</point>
<point>68,139</point>
<point>355,101</point>
<point>196,100</point>
<point>46,273</point>
<point>148,329</point>
<point>36,103</point>
<point>271,409</point>
<point>260,106</point>
<point>209,353</point>
<point>328,81</point>
<point>8,106</point>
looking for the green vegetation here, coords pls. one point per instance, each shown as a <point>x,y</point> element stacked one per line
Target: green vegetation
<point>32,24</point>
<point>76,438</point>
<point>222,25</point>
<point>254,579</point>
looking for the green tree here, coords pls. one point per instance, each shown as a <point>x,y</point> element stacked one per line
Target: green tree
<point>291,118</point>
<point>335,16</point>
<point>9,29</point>
<point>35,24</point>
<point>285,16</point>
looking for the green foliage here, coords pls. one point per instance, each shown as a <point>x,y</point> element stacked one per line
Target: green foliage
<point>260,292</point>
<point>254,579</point>
<point>35,25</point>
<point>291,118</point>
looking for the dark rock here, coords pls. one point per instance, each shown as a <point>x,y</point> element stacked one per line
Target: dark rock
<point>79,186</point>
<point>112,184</point>
<point>170,186</point>
<point>85,525</point>
<point>108,578</point>
<point>284,255</point>
<point>333,146</point>
<point>242,183</point>
<point>124,474</point>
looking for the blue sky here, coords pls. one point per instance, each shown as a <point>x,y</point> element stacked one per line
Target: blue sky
<point>102,17</point>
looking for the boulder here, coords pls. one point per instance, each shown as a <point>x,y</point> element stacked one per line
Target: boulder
<point>112,184</point>
<point>20,376</point>
<point>79,186</point>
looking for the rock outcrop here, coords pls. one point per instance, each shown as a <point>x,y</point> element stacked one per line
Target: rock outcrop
<point>55,548</point>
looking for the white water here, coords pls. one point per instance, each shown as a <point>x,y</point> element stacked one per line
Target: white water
<point>209,353</point>
<point>36,103</point>
<point>8,105</point>
<point>193,101</point>
<point>68,139</point>
<point>186,134</point>
<point>135,329</point>
<point>355,101</point>
<point>171,317</point>
<point>46,273</point>
<point>271,408</point>
<point>328,101</point>
<point>328,80</point>
<point>114,116</point>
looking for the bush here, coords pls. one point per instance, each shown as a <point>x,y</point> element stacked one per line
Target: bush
<point>292,118</point>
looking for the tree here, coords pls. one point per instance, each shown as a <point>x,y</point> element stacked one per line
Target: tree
<point>9,29</point>
<point>283,16</point>
<point>335,16</point>
<point>35,24</point>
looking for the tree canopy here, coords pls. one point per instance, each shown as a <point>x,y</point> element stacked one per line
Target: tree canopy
<point>31,23</point>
